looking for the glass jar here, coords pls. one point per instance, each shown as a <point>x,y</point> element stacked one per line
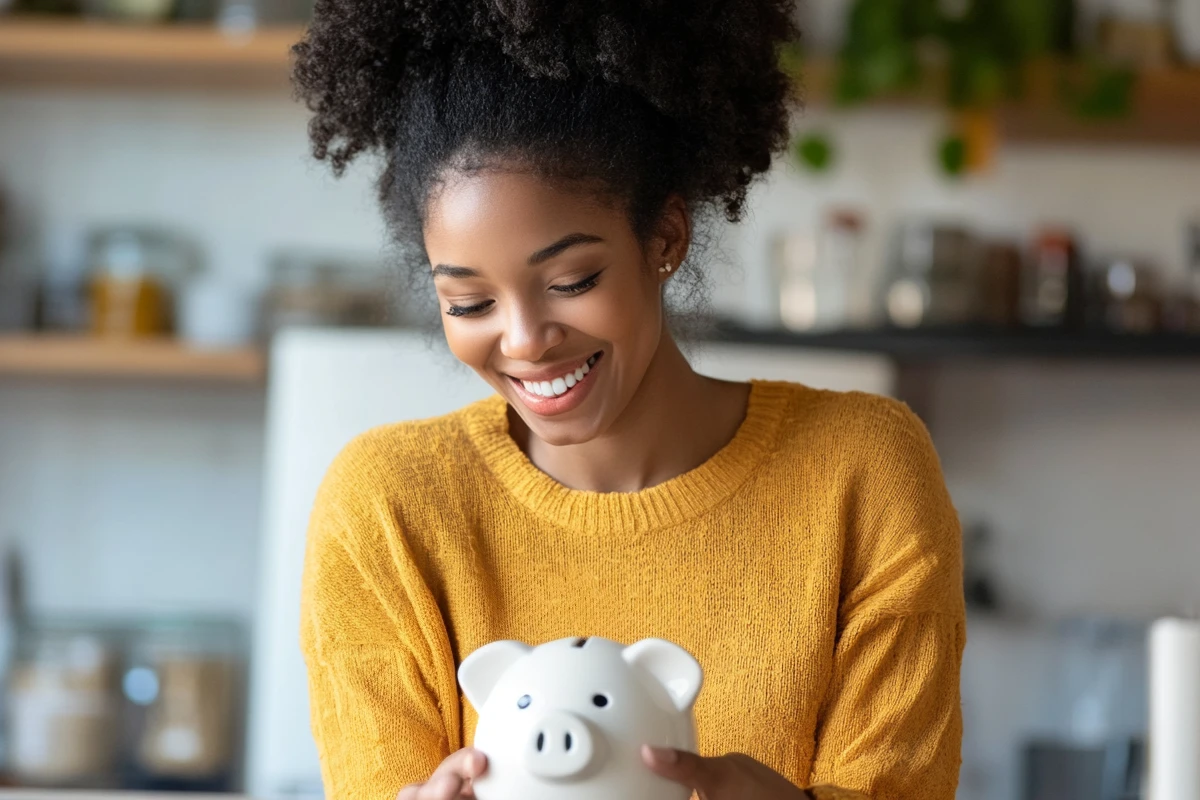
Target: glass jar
<point>183,688</point>
<point>132,271</point>
<point>63,708</point>
<point>820,279</point>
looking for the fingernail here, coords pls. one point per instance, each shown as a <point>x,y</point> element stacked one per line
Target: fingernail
<point>664,755</point>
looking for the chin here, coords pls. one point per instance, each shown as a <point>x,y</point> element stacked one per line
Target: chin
<point>562,433</point>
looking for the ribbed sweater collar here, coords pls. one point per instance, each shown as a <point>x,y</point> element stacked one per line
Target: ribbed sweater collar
<point>675,501</point>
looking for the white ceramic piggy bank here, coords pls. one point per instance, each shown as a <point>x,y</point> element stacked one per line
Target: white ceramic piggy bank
<point>566,720</point>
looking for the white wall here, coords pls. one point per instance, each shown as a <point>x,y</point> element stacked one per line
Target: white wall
<point>132,499</point>
<point>1088,477</point>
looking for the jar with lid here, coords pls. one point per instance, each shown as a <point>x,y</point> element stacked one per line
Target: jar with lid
<point>931,280</point>
<point>820,278</point>
<point>63,707</point>
<point>183,691</point>
<point>132,271</point>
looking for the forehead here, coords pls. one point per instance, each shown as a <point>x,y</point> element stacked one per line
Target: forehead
<point>479,215</point>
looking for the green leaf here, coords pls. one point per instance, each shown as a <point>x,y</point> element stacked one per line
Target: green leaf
<point>952,155</point>
<point>814,151</point>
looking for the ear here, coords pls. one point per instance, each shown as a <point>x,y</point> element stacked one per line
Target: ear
<point>481,671</point>
<point>672,237</point>
<point>671,665</point>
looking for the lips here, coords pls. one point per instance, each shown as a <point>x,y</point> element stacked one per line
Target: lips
<point>551,393</point>
<point>559,385</point>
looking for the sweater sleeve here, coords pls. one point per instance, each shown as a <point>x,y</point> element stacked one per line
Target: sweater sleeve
<point>891,724</point>
<point>382,688</point>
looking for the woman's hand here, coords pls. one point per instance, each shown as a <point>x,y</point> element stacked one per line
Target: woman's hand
<point>451,780</point>
<point>731,777</point>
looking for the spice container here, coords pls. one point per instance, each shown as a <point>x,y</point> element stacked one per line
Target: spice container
<point>63,708</point>
<point>183,692</point>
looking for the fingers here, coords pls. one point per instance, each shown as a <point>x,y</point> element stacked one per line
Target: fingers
<point>683,767</point>
<point>451,780</point>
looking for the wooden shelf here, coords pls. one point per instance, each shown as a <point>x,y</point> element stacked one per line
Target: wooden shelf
<point>150,359</point>
<point>1166,107</point>
<point>914,346</point>
<point>61,52</point>
<point>1166,112</point>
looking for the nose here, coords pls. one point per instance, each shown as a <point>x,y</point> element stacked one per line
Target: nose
<point>528,336</point>
<point>560,746</point>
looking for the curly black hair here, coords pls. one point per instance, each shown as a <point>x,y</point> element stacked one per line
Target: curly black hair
<point>641,99</point>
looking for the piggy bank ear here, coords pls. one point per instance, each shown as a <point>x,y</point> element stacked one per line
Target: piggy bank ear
<point>673,666</point>
<point>480,672</point>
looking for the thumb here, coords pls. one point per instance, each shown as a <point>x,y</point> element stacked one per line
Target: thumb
<point>688,769</point>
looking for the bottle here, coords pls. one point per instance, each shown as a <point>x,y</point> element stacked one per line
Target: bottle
<point>1052,284</point>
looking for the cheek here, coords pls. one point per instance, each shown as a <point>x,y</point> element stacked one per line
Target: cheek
<point>470,343</point>
<point>627,314</point>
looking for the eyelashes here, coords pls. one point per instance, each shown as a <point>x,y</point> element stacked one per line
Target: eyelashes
<point>569,290</point>
<point>469,311</point>
<point>578,288</point>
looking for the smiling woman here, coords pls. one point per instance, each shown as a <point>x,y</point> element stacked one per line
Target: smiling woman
<point>546,166</point>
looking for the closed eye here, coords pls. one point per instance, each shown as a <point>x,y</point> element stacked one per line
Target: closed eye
<point>469,311</point>
<point>578,288</point>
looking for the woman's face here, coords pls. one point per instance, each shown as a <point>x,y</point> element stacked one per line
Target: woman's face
<point>548,295</point>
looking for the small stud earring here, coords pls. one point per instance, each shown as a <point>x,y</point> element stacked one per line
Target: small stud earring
<point>666,267</point>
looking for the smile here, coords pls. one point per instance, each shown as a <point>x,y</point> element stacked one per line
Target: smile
<point>559,386</point>
<point>556,395</point>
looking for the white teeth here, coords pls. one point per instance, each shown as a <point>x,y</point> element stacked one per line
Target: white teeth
<point>559,386</point>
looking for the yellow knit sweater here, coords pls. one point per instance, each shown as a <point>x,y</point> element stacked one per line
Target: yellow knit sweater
<point>813,566</point>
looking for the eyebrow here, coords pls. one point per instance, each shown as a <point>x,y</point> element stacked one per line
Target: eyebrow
<point>565,243</point>
<point>540,257</point>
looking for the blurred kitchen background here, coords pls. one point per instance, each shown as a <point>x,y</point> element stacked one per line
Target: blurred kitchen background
<point>991,210</point>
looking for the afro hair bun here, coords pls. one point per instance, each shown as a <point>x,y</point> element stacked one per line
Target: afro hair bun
<point>708,67</point>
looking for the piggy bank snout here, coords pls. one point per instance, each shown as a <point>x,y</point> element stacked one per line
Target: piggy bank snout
<point>560,745</point>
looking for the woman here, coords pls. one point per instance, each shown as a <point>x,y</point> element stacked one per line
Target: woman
<point>547,164</point>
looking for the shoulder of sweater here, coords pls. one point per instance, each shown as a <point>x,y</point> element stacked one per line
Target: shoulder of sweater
<point>398,459</point>
<point>850,419</point>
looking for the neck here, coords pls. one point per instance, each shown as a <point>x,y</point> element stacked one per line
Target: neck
<point>676,420</point>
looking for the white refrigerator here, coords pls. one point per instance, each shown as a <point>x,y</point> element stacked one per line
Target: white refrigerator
<point>325,387</point>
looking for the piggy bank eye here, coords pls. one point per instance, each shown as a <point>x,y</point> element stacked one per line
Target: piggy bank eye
<point>599,700</point>
<point>524,701</point>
